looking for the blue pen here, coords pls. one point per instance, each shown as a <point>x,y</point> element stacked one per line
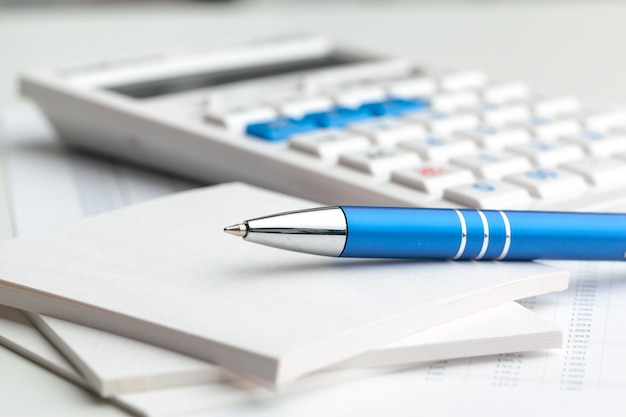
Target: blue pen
<point>422,233</point>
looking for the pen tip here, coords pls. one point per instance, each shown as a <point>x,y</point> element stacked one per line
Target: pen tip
<point>240,230</point>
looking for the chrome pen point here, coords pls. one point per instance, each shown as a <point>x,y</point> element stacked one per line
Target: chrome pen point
<point>240,230</point>
<point>320,231</point>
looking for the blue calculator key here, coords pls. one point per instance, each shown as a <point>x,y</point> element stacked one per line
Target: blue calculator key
<point>281,128</point>
<point>339,117</point>
<point>377,109</point>
<point>407,105</point>
<point>395,107</point>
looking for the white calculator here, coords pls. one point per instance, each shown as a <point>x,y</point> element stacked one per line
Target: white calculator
<point>339,125</point>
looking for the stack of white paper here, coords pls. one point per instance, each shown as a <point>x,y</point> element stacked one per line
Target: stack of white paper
<point>139,366</point>
<point>505,328</point>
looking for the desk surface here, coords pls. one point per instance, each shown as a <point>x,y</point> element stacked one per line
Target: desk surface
<point>557,47</point>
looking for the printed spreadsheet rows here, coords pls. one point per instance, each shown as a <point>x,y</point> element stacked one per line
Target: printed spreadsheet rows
<point>455,137</point>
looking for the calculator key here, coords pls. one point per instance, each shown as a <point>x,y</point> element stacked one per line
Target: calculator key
<point>496,115</point>
<point>450,102</point>
<point>557,106</point>
<point>600,172</point>
<point>492,165</point>
<point>338,117</point>
<point>550,129</point>
<point>432,179</point>
<point>505,93</point>
<point>597,143</point>
<point>605,120</point>
<point>388,132</point>
<point>546,183</point>
<point>279,129</point>
<point>297,105</point>
<point>495,138</point>
<point>439,123</point>
<point>395,107</point>
<point>411,87</point>
<point>329,143</point>
<point>379,161</point>
<point>548,154</point>
<point>439,149</point>
<point>461,80</point>
<point>353,95</point>
<point>238,117</point>
<point>489,195</point>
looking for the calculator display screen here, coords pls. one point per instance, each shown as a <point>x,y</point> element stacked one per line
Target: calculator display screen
<point>165,86</point>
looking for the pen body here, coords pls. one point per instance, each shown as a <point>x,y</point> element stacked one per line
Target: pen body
<point>386,232</point>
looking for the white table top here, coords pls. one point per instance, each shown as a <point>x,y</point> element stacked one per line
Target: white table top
<point>557,47</point>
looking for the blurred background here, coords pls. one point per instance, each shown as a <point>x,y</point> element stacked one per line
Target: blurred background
<point>556,46</point>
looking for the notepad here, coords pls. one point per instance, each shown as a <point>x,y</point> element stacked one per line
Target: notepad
<point>500,329</point>
<point>164,273</point>
<point>114,364</point>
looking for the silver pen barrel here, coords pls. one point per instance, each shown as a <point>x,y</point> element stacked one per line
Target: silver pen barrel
<point>320,231</point>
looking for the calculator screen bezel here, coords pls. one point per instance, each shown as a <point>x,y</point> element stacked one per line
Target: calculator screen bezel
<point>200,80</point>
